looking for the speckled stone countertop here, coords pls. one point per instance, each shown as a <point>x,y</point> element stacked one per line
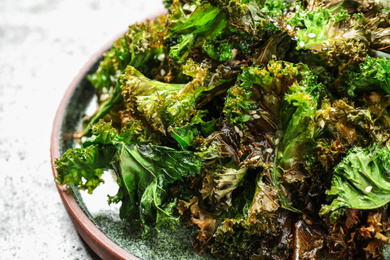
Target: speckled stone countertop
<point>43,45</point>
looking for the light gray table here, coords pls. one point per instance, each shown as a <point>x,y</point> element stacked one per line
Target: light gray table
<point>43,45</point>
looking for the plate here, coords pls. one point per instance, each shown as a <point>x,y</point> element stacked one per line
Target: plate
<point>97,223</point>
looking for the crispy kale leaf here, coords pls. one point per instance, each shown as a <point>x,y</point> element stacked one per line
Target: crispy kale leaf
<point>297,139</point>
<point>245,16</point>
<point>259,95</point>
<point>345,125</point>
<point>257,103</point>
<point>143,171</point>
<point>318,26</point>
<point>360,181</point>
<point>205,22</point>
<point>216,28</point>
<point>186,135</point>
<point>219,183</point>
<point>163,104</point>
<point>84,166</point>
<point>371,75</point>
<point>140,47</point>
<point>341,32</point>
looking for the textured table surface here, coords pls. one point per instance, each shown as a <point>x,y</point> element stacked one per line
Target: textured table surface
<point>43,45</point>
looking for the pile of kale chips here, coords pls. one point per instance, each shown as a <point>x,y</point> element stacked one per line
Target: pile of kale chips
<point>263,125</point>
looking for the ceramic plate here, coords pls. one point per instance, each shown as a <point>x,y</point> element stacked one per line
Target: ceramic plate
<point>96,222</point>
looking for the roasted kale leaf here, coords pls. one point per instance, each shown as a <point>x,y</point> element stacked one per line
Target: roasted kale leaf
<point>262,125</point>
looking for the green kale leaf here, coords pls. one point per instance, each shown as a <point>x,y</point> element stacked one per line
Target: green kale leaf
<point>360,181</point>
<point>185,135</point>
<point>163,104</point>
<point>371,75</point>
<point>139,47</point>
<point>143,171</point>
<point>205,22</point>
